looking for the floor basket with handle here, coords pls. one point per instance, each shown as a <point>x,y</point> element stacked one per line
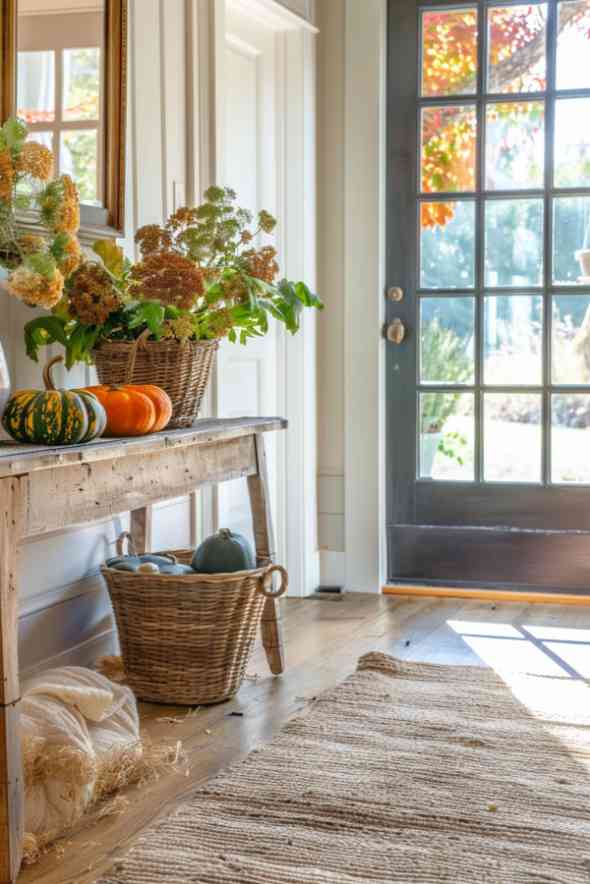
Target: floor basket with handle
<point>181,369</point>
<point>187,639</point>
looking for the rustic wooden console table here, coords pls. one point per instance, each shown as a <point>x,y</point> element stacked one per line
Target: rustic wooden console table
<point>46,489</point>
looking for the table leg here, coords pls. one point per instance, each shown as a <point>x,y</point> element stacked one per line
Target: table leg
<point>141,528</point>
<point>11,781</point>
<point>258,488</point>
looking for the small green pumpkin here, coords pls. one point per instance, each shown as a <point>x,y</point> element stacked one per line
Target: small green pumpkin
<point>54,417</point>
<point>223,553</point>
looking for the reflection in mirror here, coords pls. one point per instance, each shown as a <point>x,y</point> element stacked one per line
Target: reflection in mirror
<point>60,86</point>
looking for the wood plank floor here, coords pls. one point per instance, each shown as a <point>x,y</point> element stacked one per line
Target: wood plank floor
<point>324,638</point>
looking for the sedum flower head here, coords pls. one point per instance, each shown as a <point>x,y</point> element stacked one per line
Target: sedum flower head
<point>262,263</point>
<point>266,221</point>
<point>182,328</point>
<point>92,295</point>
<point>152,238</point>
<point>169,278</point>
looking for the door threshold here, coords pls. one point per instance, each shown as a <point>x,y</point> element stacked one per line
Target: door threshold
<point>489,595</point>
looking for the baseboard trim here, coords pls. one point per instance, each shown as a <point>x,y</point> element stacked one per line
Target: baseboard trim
<point>490,595</point>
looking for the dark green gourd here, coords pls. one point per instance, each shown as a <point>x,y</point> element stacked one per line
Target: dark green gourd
<point>223,553</point>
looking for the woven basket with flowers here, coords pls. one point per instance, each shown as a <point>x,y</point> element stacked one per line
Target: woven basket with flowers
<point>208,273</point>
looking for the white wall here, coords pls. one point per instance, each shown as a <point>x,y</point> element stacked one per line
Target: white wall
<point>64,609</point>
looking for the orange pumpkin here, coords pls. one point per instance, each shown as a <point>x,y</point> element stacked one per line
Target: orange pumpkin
<point>161,401</point>
<point>130,412</point>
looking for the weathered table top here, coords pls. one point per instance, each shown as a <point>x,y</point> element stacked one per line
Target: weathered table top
<point>17,459</point>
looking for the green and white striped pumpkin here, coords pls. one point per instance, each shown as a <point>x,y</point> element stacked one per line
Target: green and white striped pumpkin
<point>54,417</point>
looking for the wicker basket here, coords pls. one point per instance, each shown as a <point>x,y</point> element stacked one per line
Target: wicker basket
<point>187,639</point>
<point>182,370</point>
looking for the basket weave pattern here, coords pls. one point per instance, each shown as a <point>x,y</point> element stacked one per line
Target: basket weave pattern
<point>182,370</point>
<point>187,639</point>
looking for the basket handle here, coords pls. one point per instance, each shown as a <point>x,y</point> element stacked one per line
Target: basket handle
<point>139,342</point>
<point>265,582</point>
<point>126,536</point>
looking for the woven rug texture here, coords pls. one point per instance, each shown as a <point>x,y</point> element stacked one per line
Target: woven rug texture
<point>405,772</point>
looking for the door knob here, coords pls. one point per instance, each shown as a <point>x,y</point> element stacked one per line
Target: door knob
<point>395,293</point>
<point>396,331</point>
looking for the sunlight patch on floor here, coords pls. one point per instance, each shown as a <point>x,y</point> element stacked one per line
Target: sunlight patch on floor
<point>514,655</point>
<point>558,656</point>
<point>536,650</point>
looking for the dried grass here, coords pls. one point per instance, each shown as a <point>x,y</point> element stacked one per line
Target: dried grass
<point>43,761</point>
<point>141,763</point>
<point>112,668</point>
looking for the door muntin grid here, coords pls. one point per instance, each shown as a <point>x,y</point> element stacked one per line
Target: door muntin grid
<point>553,388</point>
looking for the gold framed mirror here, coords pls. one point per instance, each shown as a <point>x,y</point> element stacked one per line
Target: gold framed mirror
<point>64,71</point>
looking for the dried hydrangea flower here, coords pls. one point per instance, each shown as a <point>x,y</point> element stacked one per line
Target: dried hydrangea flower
<point>183,328</point>
<point>7,175</point>
<point>92,296</point>
<point>168,278</point>
<point>266,221</point>
<point>68,215</point>
<point>181,218</point>
<point>36,289</point>
<point>233,290</point>
<point>36,160</point>
<point>152,238</point>
<point>219,323</point>
<point>71,255</point>
<point>29,243</point>
<point>60,206</point>
<point>262,263</point>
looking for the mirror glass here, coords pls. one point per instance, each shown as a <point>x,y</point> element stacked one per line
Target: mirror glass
<point>60,86</point>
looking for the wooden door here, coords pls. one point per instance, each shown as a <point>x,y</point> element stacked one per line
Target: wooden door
<point>488,368</point>
<point>248,381</point>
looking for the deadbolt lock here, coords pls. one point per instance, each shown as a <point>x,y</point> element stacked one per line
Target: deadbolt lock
<point>396,331</point>
<point>395,293</point>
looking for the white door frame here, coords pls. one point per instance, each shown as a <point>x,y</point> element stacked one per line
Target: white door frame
<point>296,369</point>
<point>364,296</point>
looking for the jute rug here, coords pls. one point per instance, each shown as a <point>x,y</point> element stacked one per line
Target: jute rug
<point>404,773</point>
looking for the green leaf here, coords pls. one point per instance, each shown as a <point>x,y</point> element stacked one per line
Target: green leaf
<point>307,297</point>
<point>80,344</point>
<point>150,313</point>
<point>111,255</point>
<point>172,312</point>
<point>43,331</point>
